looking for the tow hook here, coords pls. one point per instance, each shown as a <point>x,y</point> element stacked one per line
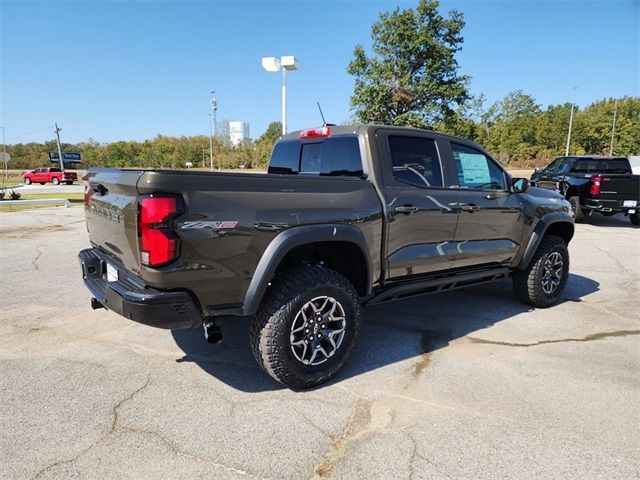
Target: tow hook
<point>95,304</point>
<point>212,332</point>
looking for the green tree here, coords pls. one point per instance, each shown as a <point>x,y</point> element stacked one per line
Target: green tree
<point>411,77</point>
<point>265,143</point>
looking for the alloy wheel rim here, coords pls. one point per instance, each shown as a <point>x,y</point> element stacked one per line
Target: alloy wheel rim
<point>317,330</point>
<point>553,270</point>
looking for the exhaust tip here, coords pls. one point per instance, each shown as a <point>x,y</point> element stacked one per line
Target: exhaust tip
<point>212,333</point>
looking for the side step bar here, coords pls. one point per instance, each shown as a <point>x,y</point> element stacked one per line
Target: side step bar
<point>435,285</point>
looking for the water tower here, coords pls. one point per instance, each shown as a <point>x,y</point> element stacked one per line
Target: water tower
<point>238,131</point>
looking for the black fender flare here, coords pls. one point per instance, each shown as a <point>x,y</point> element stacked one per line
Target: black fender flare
<point>539,231</point>
<point>294,237</point>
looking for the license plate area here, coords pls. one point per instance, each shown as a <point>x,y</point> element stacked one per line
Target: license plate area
<point>112,273</point>
<point>630,203</point>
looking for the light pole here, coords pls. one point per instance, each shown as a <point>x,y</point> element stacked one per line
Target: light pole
<point>613,126</point>
<point>212,120</point>
<point>274,64</point>
<point>566,151</point>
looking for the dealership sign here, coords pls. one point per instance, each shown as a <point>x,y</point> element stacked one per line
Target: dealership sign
<point>68,157</point>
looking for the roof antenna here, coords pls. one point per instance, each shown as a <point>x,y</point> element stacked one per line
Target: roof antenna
<point>324,122</point>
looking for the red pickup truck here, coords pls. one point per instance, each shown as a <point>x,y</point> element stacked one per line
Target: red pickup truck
<point>45,175</point>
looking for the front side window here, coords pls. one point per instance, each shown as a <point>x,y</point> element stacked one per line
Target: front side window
<point>475,170</point>
<point>415,161</point>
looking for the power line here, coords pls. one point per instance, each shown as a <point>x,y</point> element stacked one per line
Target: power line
<point>48,127</point>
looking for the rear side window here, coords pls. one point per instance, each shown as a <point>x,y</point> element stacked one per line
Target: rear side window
<point>476,170</point>
<point>339,156</point>
<point>55,170</point>
<point>415,161</point>
<point>593,165</point>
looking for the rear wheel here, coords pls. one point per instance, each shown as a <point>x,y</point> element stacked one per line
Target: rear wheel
<point>306,327</point>
<point>544,279</point>
<point>56,181</point>
<point>27,181</point>
<point>635,219</point>
<point>576,209</point>
<point>69,183</point>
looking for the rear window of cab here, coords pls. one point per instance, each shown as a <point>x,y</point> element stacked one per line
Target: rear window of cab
<point>336,156</point>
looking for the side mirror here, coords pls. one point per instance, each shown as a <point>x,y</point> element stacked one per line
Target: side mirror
<point>520,185</point>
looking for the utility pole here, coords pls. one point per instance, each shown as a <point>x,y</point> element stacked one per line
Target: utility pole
<point>613,126</point>
<point>566,152</point>
<point>5,170</point>
<point>58,129</point>
<point>214,110</point>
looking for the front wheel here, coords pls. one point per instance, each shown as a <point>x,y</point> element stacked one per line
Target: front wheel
<point>635,219</point>
<point>544,279</point>
<point>27,181</point>
<point>306,326</point>
<point>56,181</point>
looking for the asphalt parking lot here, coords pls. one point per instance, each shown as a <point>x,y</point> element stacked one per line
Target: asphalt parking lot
<point>51,188</point>
<point>468,384</point>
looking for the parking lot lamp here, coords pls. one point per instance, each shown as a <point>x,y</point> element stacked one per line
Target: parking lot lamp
<point>274,64</point>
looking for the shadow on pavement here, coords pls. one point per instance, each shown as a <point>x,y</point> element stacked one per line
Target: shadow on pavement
<point>618,220</point>
<point>391,332</point>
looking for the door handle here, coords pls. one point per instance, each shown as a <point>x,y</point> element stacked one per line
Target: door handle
<point>469,208</point>
<point>406,209</point>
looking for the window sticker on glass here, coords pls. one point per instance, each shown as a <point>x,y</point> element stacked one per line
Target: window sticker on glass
<point>474,168</point>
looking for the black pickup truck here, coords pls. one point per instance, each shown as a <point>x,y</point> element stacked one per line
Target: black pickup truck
<point>345,217</point>
<point>593,183</point>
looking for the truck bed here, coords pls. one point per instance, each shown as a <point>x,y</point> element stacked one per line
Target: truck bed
<point>228,221</point>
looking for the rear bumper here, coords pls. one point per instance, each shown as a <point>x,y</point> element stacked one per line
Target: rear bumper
<point>614,206</point>
<point>129,297</point>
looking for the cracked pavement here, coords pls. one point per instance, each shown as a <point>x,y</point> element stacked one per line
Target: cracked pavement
<point>467,384</point>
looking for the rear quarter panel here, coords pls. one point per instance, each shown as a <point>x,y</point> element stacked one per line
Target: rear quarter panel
<point>218,260</point>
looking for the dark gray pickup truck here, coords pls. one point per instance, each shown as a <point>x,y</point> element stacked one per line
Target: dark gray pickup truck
<point>345,217</point>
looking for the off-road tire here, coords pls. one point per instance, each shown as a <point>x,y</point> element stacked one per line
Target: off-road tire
<point>55,181</point>
<point>527,283</point>
<point>27,181</point>
<point>635,219</point>
<point>576,208</point>
<point>270,329</point>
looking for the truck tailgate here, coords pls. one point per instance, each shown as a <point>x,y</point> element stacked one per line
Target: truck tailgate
<point>619,187</point>
<point>111,213</point>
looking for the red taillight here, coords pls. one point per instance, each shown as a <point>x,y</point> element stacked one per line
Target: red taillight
<point>315,132</point>
<point>595,186</point>
<point>158,243</point>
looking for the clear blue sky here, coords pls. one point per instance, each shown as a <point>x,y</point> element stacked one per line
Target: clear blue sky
<point>130,70</point>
